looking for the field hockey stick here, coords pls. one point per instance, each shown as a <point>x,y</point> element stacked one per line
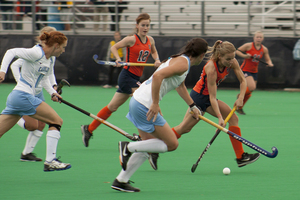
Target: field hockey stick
<point>242,140</point>
<point>61,84</point>
<point>103,62</point>
<point>212,140</point>
<point>133,138</point>
<point>255,58</point>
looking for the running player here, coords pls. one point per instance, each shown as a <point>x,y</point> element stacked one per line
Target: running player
<point>204,94</point>
<point>251,52</point>
<point>138,47</point>
<point>36,69</point>
<point>145,113</point>
<point>26,122</point>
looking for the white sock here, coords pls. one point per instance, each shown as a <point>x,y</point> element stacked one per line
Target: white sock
<point>134,162</point>
<point>32,139</point>
<point>52,140</point>
<point>21,123</point>
<point>151,146</point>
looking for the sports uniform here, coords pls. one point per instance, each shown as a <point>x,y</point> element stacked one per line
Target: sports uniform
<point>130,75</point>
<point>200,93</point>
<point>35,70</point>
<point>142,99</point>
<point>250,65</point>
<point>34,135</point>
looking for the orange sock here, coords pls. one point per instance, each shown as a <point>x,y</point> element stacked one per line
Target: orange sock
<point>104,113</point>
<point>247,96</point>
<point>237,146</point>
<point>177,135</point>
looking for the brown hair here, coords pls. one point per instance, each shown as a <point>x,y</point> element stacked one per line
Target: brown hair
<point>53,37</point>
<point>142,16</point>
<point>47,29</point>
<point>220,49</point>
<point>194,48</point>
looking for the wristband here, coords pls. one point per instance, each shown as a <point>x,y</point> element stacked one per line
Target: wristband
<point>219,115</point>
<point>193,104</point>
<point>156,59</point>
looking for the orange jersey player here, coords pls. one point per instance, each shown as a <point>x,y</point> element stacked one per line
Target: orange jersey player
<point>252,52</point>
<point>139,47</point>
<point>204,94</point>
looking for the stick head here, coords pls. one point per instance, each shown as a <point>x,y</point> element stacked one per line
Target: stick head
<point>64,82</point>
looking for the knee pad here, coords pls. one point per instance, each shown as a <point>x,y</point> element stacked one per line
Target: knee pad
<point>53,134</point>
<point>58,127</point>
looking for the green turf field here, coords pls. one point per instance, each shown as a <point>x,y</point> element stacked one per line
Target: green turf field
<point>272,120</point>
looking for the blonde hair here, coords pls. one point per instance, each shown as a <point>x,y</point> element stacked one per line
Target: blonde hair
<point>258,32</point>
<point>219,49</point>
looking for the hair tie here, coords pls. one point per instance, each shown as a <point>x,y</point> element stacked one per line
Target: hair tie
<point>221,42</point>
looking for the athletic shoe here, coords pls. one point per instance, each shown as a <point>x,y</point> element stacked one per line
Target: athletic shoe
<point>55,165</point>
<point>247,159</point>
<point>124,187</point>
<point>107,86</point>
<point>241,111</point>
<point>30,157</point>
<point>86,135</point>
<point>124,154</point>
<point>153,160</point>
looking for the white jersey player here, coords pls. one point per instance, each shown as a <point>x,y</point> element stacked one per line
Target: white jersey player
<point>144,112</point>
<point>36,69</point>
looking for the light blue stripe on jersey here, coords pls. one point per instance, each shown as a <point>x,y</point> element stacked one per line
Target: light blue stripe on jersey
<point>43,53</point>
<point>21,103</point>
<point>24,81</point>
<point>188,61</point>
<point>137,115</point>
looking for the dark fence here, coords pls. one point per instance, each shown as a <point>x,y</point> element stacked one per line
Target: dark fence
<point>77,65</point>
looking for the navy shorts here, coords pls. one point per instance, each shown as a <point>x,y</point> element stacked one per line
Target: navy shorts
<point>127,81</point>
<point>254,75</point>
<point>201,100</point>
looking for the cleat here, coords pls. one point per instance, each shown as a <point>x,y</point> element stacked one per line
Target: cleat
<point>30,157</point>
<point>55,165</point>
<point>247,159</point>
<point>124,187</point>
<point>153,160</point>
<point>240,111</point>
<point>86,135</point>
<point>124,154</point>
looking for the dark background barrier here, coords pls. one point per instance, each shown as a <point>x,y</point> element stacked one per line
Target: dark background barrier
<point>77,65</point>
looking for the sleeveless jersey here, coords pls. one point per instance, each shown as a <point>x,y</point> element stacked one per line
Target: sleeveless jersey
<point>251,64</point>
<point>201,85</point>
<point>144,93</point>
<point>138,53</point>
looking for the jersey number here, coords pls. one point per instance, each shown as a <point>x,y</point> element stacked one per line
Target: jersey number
<point>143,55</point>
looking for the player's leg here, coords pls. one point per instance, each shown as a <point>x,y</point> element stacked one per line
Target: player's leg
<point>7,122</point>
<point>251,86</point>
<point>186,125</point>
<point>46,114</point>
<point>242,157</point>
<point>36,130</point>
<point>117,100</point>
